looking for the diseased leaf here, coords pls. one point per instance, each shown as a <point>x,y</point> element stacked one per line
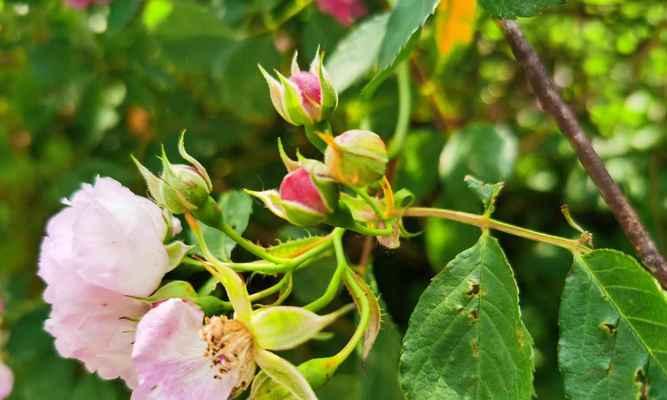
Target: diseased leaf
<point>465,339</point>
<point>455,24</point>
<point>517,8</point>
<point>357,52</point>
<point>613,323</point>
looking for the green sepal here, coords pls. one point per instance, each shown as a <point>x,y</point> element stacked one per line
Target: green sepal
<point>312,131</point>
<point>295,247</point>
<point>286,327</point>
<point>293,102</point>
<point>327,90</point>
<point>211,305</point>
<point>317,372</point>
<point>290,164</point>
<point>176,251</point>
<point>299,215</point>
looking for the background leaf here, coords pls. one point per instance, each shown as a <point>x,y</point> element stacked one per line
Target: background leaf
<point>357,52</point>
<point>517,8</point>
<point>236,210</point>
<point>465,339</point>
<point>405,20</point>
<point>613,323</point>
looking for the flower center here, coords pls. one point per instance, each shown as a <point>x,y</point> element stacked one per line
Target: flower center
<point>230,349</point>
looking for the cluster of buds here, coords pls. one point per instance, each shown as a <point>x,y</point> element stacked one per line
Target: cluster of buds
<point>308,194</point>
<point>181,187</point>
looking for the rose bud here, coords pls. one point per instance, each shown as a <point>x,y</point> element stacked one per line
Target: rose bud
<point>356,158</point>
<point>180,188</point>
<point>306,97</point>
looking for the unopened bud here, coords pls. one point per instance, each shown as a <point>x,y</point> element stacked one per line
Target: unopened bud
<point>180,188</point>
<point>356,158</point>
<point>306,97</point>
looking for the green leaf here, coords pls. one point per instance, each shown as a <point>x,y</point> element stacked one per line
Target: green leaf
<point>357,52</point>
<point>486,192</point>
<point>236,209</point>
<point>613,323</point>
<point>405,20</point>
<point>485,151</point>
<point>465,338</point>
<point>121,13</point>
<point>517,8</point>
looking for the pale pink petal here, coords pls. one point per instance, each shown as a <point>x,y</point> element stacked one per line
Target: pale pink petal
<point>111,238</point>
<point>170,360</point>
<point>96,326</point>
<point>6,381</point>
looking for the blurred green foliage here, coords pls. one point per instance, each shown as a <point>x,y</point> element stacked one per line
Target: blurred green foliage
<point>81,90</point>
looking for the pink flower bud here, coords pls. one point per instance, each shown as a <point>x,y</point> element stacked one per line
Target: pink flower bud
<point>310,90</point>
<point>298,187</point>
<point>344,11</point>
<point>306,97</point>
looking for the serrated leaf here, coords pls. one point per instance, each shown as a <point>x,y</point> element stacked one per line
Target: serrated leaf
<point>487,192</point>
<point>613,323</point>
<point>455,24</point>
<point>465,338</point>
<point>357,52</point>
<point>405,20</point>
<point>517,8</point>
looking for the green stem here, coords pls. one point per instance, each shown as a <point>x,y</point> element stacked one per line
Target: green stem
<point>404,104</point>
<point>271,290</point>
<point>485,222</point>
<point>336,279</point>
<point>364,317</point>
<point>368,231</point>
<point>251,247</point>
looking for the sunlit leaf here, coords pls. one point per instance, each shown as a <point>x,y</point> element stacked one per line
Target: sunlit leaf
<point>613,323</point>
<point>465,339</point>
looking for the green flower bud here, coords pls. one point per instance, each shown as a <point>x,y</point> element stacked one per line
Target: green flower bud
<point>180,188</point>
<point>356,158</point>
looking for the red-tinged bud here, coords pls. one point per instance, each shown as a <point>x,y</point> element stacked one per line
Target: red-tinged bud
<point>298,187</point>
<point>306,97</point>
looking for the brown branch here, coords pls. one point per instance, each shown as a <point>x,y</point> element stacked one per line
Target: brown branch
<point>569,125</point>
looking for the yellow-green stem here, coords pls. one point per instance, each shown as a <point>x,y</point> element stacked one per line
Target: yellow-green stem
<point>485,222</point>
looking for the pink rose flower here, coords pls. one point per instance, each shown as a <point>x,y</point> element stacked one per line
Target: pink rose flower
<point>110,238</point>
<point>177,356</point>
<point>106,245</point>
<point>6,381</point>
<point>344,11</point>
